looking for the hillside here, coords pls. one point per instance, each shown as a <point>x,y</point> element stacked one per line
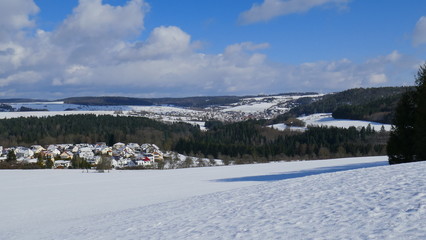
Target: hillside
<point>369,104</point>
<point>107,101</point>
<point>191,102</point>
<point>180,102</point>
<point>20,100</point>
<point>298,200</point>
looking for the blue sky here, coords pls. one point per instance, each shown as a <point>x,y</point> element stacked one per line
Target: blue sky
<point>154,48</point>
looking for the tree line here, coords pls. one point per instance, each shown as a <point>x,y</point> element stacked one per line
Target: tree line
<point>243,142</point>
<point>247,142</point>
<point>27,131</point>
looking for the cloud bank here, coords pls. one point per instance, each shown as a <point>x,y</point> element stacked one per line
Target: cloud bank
<point>269,9</point>
<point>419,36</point>
<point>94,52</point>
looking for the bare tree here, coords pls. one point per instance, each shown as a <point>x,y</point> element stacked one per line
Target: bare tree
<point>105,163</point>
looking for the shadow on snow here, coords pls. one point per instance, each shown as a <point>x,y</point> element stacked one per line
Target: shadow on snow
<point>302,173</point>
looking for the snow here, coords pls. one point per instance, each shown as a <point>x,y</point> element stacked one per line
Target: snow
<point>251,108</point>
<point>9,115</point>
<point>282,127</point>
<point>61,106</point>
<point>325,119</point>
<point>264,103</point>
<point>291,200</point>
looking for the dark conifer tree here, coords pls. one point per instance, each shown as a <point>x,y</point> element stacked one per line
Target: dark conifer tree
<point>11,157</point>
<point>420,121</point>
<point>407,142</point>
<point>49,163</point>
<point>400,146</point>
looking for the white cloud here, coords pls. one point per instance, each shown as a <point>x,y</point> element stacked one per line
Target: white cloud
<point>11,55</point>
<point>15,15</point>
<point>165,42</point>
<point>274,8</point>
<point>419,36</point>
<point>378,78</point>
<point>394,56</point>
<point>94,21</point>
<point>246,46</point>
<point>89,55</point>
<point>94,30</point>
<point>390,69</point>
<point>24,77</point>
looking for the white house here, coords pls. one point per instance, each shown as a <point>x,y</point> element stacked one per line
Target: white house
<point>23,152</point>
<point>134,146</point>
<point>86,153</point>
<point>106,151</point>
<point>150,148</point>
<point>145,160</point>
<point>158,155</point>
<point>127,152</point>
<point>118,145</point>
<point>56,152</point>
<point>123,162</point>
<point>37,149</point>
<point>67,155</point>
<point>52,147</point>
<point>74,149</point>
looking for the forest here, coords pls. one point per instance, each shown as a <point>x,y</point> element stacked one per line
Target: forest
<point>247,142</point>
<point>242,142</point>
<point>181,102</point>
<point>90,129</point>
<point>369,104</point>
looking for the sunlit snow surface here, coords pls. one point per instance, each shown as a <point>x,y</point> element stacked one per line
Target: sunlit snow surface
<point>326,119</point>
<point>287,200</point>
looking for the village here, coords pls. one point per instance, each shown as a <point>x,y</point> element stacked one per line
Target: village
<point>266,107</point>
<point>61,155</point>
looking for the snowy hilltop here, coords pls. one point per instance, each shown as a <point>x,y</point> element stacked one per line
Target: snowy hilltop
<point>288,200</point>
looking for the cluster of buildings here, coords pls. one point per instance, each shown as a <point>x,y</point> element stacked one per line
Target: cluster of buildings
<point>121,154</point>
<point>262,107</point>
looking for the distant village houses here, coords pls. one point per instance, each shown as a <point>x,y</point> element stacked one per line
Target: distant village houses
<point>62,155</point>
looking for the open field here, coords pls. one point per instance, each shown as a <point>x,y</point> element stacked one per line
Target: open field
<point>303,199</point>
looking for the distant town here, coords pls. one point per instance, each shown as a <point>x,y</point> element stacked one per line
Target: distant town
<point>62,155</point>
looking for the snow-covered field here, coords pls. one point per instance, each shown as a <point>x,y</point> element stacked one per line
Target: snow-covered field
<point>325,119</point>
<point>286,200</point>
<point>8,115</point>
<point>61,106</point>
<point>262,104</point>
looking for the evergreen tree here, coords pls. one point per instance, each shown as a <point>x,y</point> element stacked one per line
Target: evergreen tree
<point>400,146</point>
<point>407,141</point>
<point>420,121</point>
<point>40,162</point>
<point>49,163</point>
<point>11,157</point>
<point>76,161</point>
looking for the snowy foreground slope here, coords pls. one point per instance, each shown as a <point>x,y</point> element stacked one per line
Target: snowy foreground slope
<point>295,200</point>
